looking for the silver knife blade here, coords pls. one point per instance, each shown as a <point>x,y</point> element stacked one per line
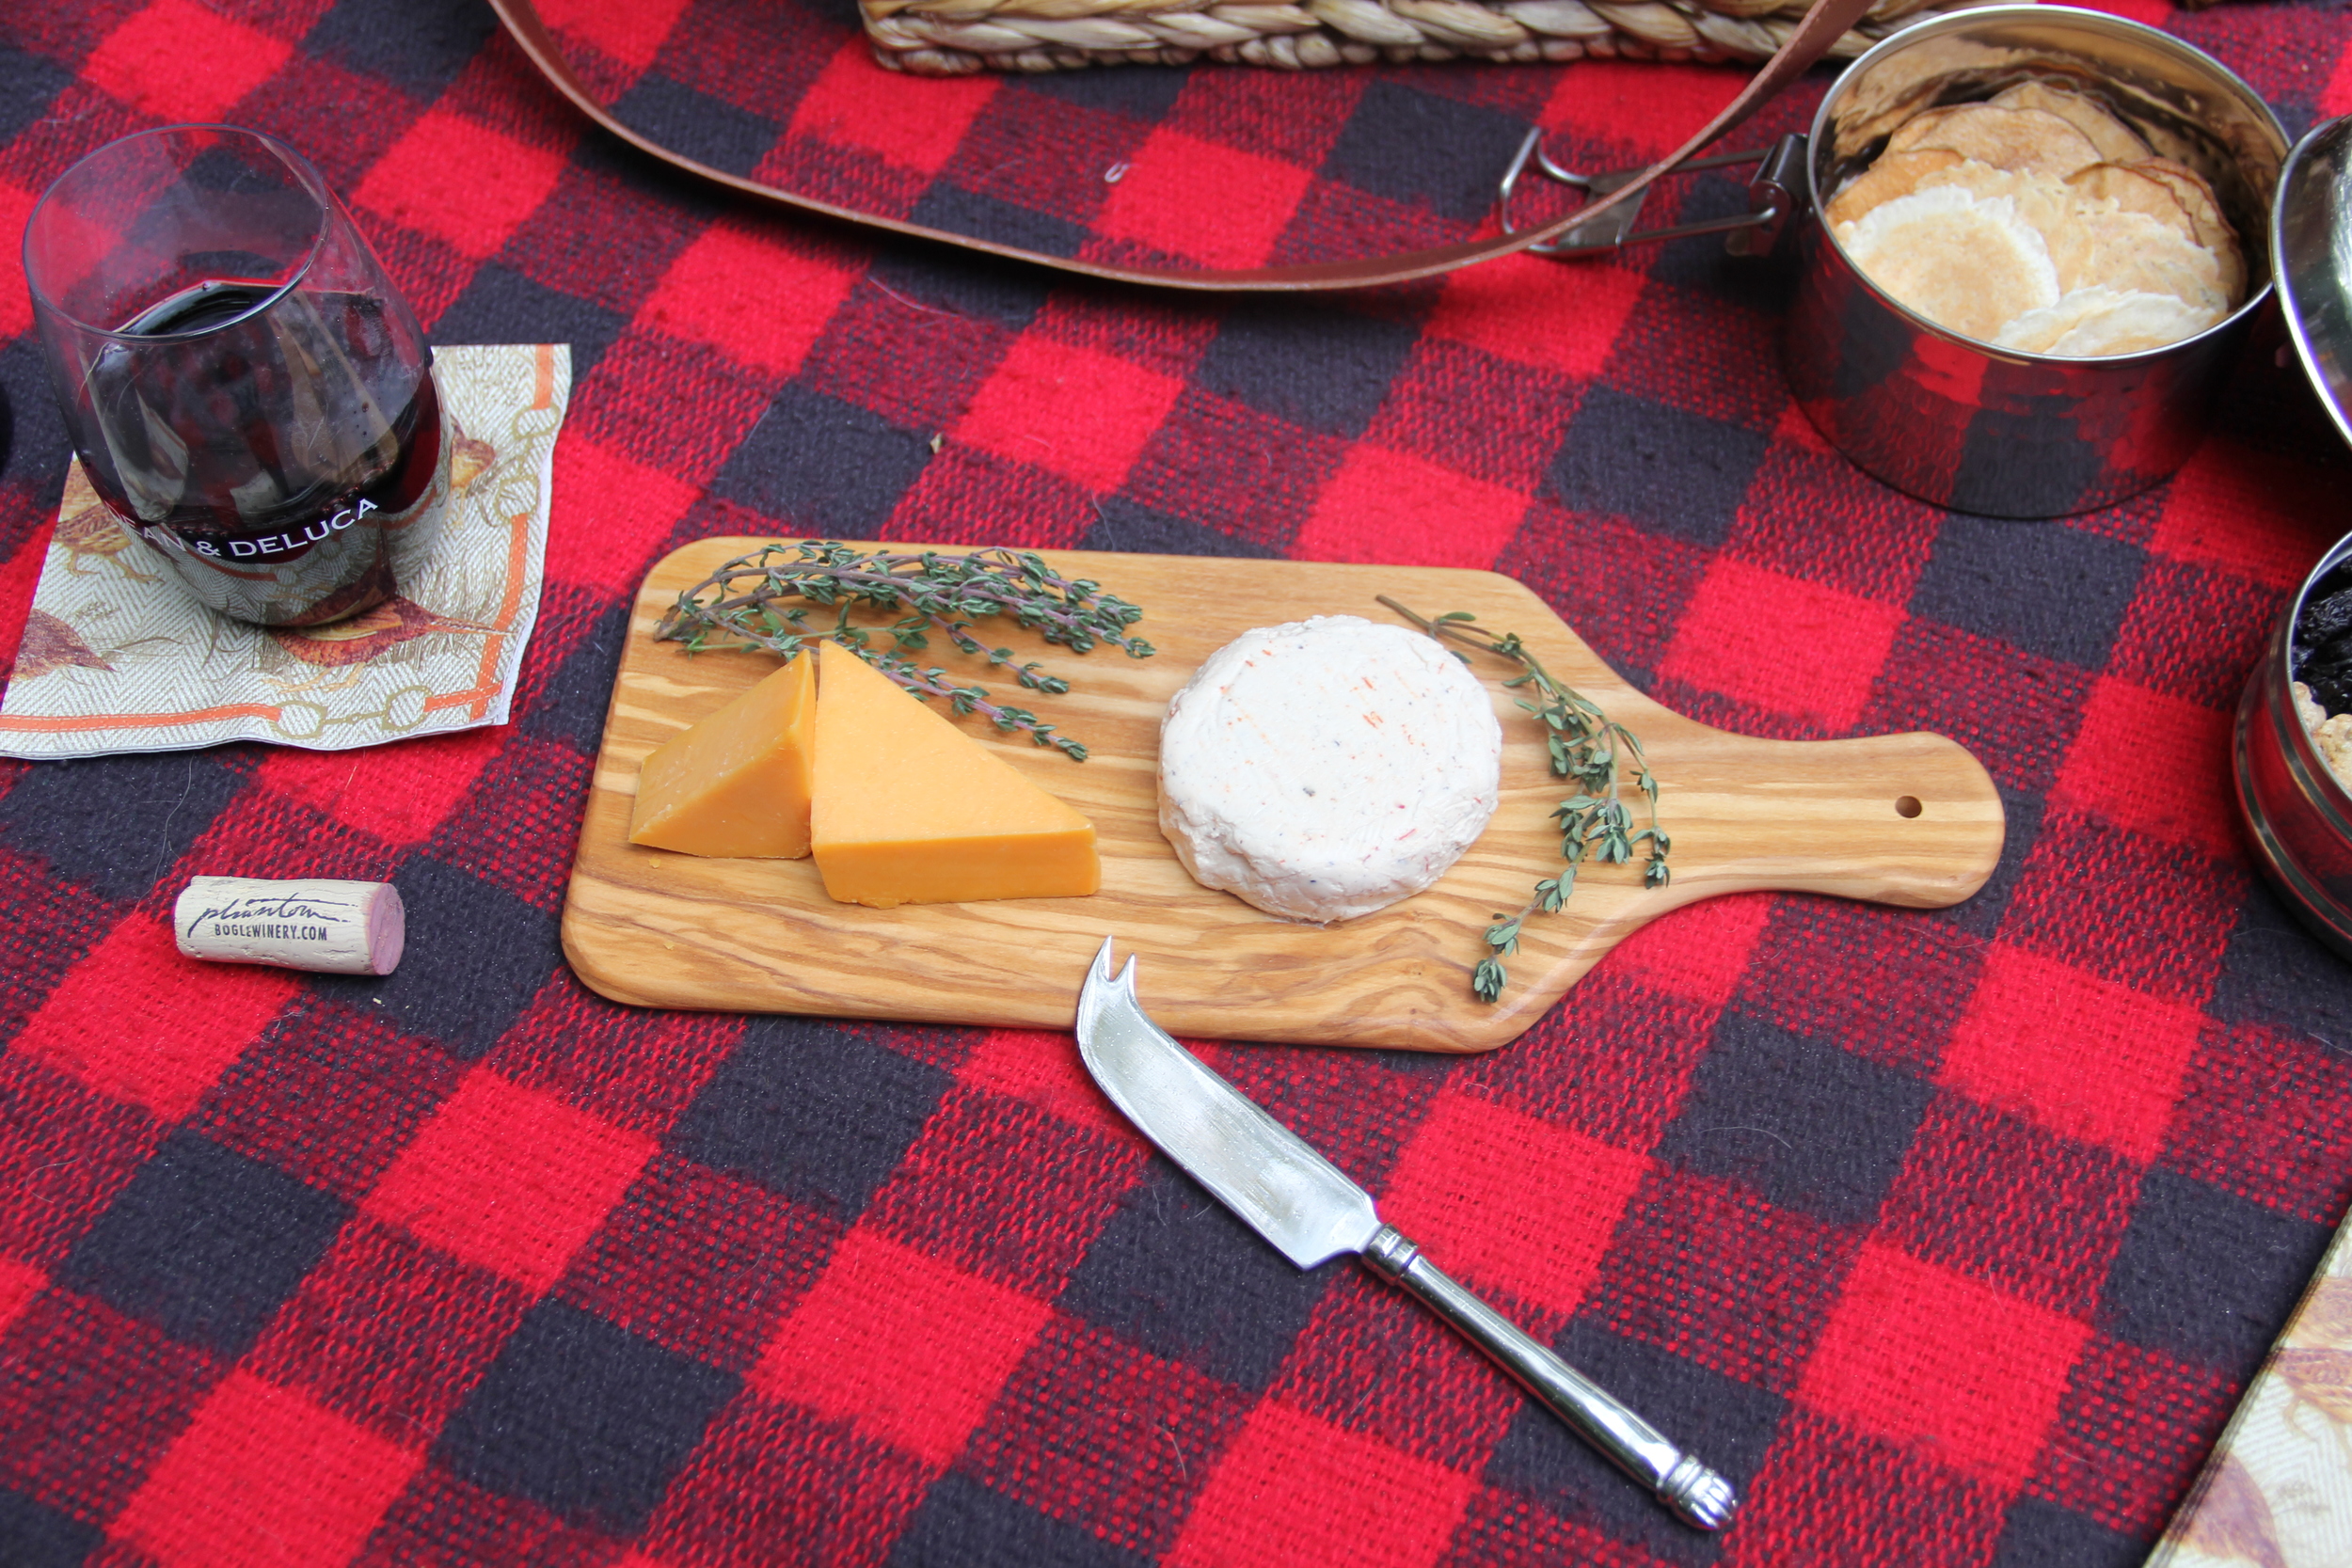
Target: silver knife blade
<point>1256,1167</point>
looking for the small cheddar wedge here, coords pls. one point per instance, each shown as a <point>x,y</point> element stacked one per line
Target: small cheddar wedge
<point>737,784</point>
<point>911,810</point>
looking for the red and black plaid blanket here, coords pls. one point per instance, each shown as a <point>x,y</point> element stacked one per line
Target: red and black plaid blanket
<point>1950,1237</point>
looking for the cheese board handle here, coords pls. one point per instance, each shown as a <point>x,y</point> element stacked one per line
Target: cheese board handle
<point>1911,819</point>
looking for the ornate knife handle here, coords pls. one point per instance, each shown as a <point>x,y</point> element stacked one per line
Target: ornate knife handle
<point>1696,1495</point>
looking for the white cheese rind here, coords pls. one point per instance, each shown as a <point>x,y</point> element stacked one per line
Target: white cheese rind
<point>331,927</point>
<point>1326,768</point>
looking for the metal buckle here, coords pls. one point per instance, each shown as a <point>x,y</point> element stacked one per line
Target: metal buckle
<point>1774,193</point>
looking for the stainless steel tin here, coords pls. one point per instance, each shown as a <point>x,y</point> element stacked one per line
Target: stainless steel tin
<point>1991,431</point>
<point>2298,815</point>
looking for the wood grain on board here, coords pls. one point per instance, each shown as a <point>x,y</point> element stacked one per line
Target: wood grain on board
<point>662,929</point>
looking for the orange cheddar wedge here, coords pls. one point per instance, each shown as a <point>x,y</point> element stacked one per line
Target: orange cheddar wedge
<point>737,784</point>
<point>911,810</point>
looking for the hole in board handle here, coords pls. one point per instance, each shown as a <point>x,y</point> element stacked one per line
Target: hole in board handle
<point>1907,805</point>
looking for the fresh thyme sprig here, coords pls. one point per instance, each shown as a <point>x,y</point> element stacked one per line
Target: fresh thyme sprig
<point>740,606</point>
<point>1586,746</point>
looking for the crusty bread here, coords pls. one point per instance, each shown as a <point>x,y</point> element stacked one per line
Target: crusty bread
<point>2013,139</point>
<point>1971,265</point>
<point>2116,142</point>
<point>2041,222</point>
<point>1894,175</point>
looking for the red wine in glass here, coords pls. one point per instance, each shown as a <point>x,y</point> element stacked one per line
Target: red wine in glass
<point>256,400</point>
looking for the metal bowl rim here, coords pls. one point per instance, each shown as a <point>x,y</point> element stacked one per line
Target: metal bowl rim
<point>2335,798</point>
<point>2289,307</point>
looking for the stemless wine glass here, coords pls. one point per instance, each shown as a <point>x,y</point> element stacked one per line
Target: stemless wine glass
<point>245,388</point>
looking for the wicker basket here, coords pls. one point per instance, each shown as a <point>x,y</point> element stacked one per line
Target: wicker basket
<point>955,38</point>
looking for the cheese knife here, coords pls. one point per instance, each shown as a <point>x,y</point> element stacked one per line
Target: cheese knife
<point>1299,1201</point>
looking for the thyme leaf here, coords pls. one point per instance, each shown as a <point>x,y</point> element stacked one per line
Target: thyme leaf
<point>746,605</point>
<point>1586,747</point>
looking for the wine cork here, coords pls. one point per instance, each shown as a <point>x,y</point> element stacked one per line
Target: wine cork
<point>332,927</point>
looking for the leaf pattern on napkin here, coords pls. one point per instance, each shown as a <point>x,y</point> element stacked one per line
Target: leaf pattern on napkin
<point>2322,1378</point>
<point>470,458</point>
<point>2233,1520</point>
<point>364,636</point>
<point>2326,1318</point>
<point>88,532</point>
<point>52,644</point>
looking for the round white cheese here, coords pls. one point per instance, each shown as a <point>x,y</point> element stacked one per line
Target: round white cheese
<point>1327,767</point>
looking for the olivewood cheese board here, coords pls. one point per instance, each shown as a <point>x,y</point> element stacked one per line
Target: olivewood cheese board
<point>1908,819</point>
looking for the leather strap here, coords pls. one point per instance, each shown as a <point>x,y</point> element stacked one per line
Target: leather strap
<point>1821,27</point>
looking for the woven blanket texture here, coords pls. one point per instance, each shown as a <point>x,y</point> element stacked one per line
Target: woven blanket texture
<point>1951,1237</point>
